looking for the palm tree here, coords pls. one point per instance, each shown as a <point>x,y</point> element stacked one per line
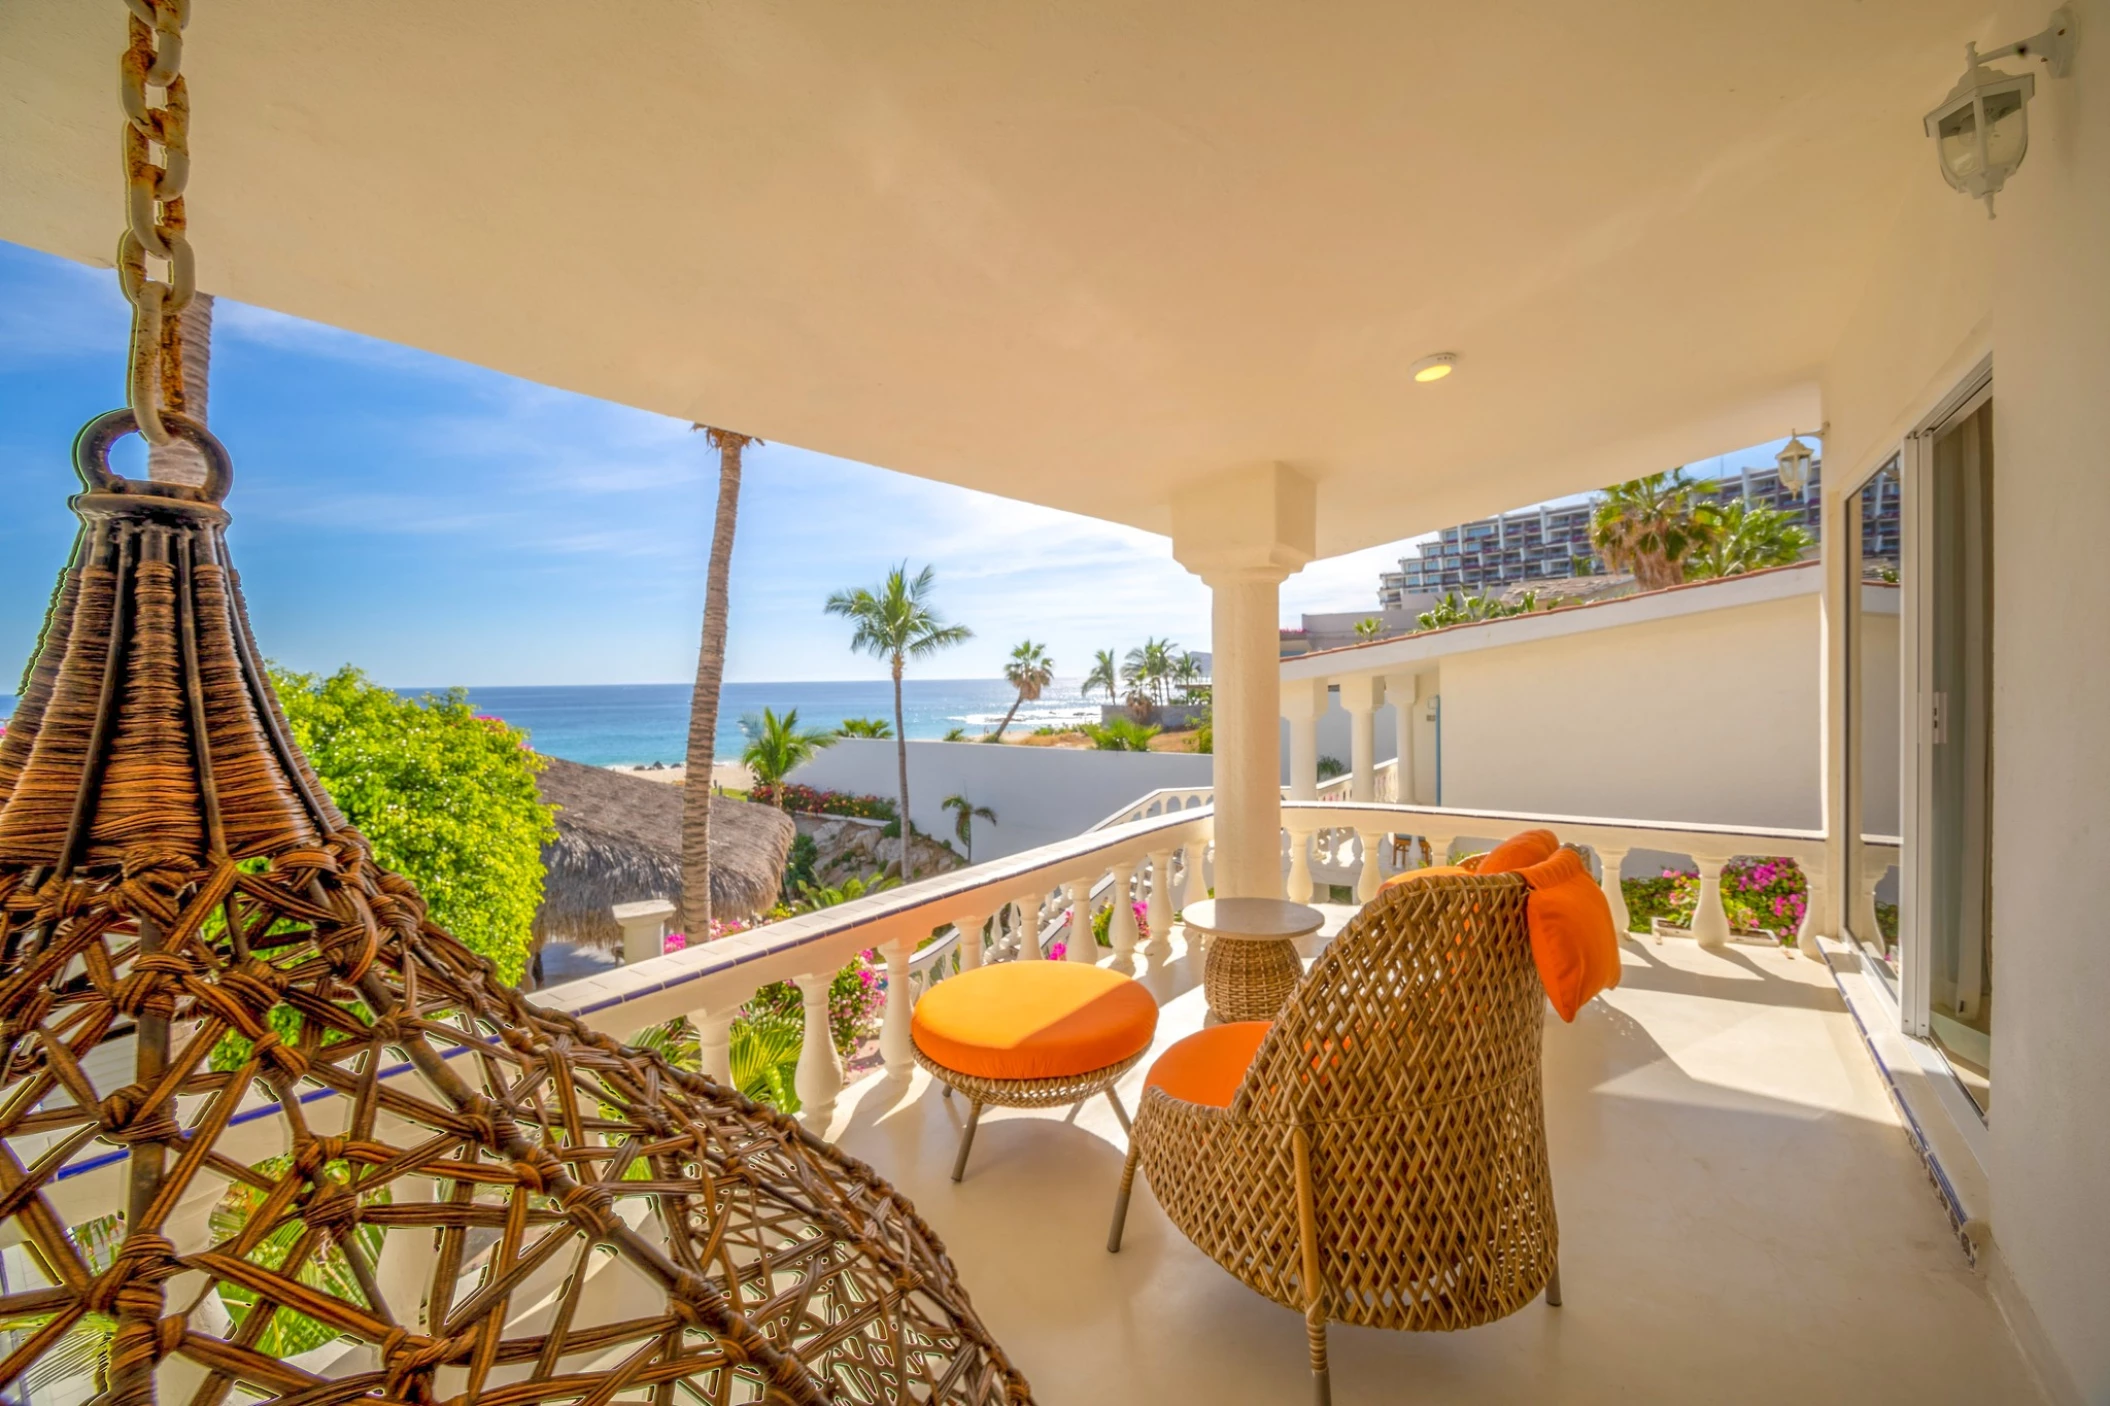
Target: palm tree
<point>1652,526</point>
<point>1105,674</point>
<point>1122,735</point>
<point>1029,670</point>
<point>1751,538</point>
<point>1187,673</point>
<point>897,623</point>
<point>703,702</point>
<point>864,727</point>
<point>1369,629</point>
<point>776,747</point>
<point>968,812</point>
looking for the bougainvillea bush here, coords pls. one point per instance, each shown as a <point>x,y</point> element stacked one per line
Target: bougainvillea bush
<point>813,801</point>
<point>1759,894</point>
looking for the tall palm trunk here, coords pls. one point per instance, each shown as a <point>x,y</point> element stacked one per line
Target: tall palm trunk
<point>703,705</point>
<point>901,755</point>
<point>1012,714</point>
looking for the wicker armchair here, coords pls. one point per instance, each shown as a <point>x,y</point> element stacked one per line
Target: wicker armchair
<point>1382,1161</point>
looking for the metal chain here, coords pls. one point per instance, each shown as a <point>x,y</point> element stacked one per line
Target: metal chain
<point>154,209</point>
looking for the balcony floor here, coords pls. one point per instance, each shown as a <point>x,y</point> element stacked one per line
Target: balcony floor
<point>1742,1219</point>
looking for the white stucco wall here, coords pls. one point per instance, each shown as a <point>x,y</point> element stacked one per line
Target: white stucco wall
<point>1040,794</point>
<point>1710,717</point>
<point>2033,290</point>
<point>1878,663</point>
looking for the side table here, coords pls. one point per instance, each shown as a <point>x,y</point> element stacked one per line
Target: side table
<point>1252,963</point>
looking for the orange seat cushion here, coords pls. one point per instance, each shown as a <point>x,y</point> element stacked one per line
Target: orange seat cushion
<point>1208,1066</point>
<point>1034,1020</point>
<point>1519,852</point>
<point>1572,941</point>
<point>1433,871</point>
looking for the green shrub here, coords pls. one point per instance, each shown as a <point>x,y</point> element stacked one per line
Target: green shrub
<point>1122,735</point>
<point>445,797</point>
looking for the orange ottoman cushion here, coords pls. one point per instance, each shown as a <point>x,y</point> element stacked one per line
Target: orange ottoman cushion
<point>1208,1066</point>
<point>1034,1020</point>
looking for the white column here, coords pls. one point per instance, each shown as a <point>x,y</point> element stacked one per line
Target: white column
<point>894,1041</point>
<point>970,930</point>
<point>819,1077</point>
<point>1373,872</point>
<point>1440,848</point>
<point>1404,693</point>
<point>1080,945</point>
<point>1360,695</point>
<point>1160,909</point>
<point>1867,875</point>
<point>1029,928</point>
<point>1710,922</point>
<point>1121,926</point>
<point>644,928</point>
<point>714,1043</point>
<point>1303,700</point>
<point>1610,860</point>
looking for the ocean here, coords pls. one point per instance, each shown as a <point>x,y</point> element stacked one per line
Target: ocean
<point>637,724</point>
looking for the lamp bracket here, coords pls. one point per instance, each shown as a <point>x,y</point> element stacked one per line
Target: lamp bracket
<point>2053,45</point>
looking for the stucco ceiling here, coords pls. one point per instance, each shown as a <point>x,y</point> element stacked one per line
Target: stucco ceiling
<point>1080,254</point>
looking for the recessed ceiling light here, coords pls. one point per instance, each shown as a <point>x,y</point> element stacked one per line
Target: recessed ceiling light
<point>1435,368</point>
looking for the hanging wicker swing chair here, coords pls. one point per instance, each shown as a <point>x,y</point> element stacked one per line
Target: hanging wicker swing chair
<point>213,1000</point>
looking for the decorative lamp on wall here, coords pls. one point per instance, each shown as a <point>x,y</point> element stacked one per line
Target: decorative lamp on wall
<point>1794,461</point>
<point>1981,130</point>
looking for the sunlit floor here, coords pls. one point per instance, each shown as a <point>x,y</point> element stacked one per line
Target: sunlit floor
<point>1741,1220</point>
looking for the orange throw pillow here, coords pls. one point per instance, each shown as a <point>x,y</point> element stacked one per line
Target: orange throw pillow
<point>1519,852</point>
<point>1433,871</point>
<point>1572,941</point>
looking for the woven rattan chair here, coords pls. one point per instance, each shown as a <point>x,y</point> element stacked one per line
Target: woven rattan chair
<point>1382,1161</point>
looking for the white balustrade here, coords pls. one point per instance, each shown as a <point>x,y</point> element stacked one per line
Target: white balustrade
<point>714,1043</point>
<point>1710,921</point>
<point>1373,868</point>
<point>1610,858</point>
<point>894,1042</point>
<point>819,1077</point>
<point>1029,927</point>
<point>1159,909</point>
<point>1121,922</point>
<point>1080,945</point>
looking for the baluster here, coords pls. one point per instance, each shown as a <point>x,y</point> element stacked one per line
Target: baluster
<point>1610,860</point>
<point>1159,911</point>
<point>1029,928</point>
<point>714,1043</point>
<point>970,930</point>
<point>1710,921</point>
<point>1298,885</point>
<point>820,1074</point>
<point>1440,848</point>
<point>894,1042</point>
<point>1372,875</point>
<point>1121,921</point>
<point>1083,947</point>
<point>1814,913</point>
<point>1867,875</point>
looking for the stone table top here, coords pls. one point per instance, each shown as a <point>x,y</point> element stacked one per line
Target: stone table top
<point>1253,919</point>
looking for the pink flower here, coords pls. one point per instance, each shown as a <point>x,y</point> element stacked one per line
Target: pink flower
<point>1058,951</point>
<point>675,942</point>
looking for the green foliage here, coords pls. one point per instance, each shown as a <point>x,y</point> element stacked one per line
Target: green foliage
<point>813,897</point>
<point>800,865</point>
<point>1369,629</point>
<point>446,798</point>
<point>1750,538</point>
<point>1330,767</point>
<point>1122,735</point>
<point>1150,668</point>
<point>956,733</point>
<point>326,1268</point>
<point>863,727</point>
<point>965,813</point>
<point>1205,735</point>
<point>1653,525</point>
<point>1759,895</point>
<point>1105,674</point>
<point>82,1353</point>
<point>764,1055</point>
<point>854,1000</point>
<point>1454,609</point>
<point>777,746</point>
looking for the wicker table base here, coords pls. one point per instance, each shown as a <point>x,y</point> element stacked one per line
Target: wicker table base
<point>1072,1089</point>
<point>1252,963</point>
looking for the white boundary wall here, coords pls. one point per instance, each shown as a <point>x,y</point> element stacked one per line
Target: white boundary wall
<point>1040,794</point>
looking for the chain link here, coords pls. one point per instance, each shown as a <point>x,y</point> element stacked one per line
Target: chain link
<point>157,166</point>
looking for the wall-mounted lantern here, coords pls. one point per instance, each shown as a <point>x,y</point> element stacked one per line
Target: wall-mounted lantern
<point>1981,130</point>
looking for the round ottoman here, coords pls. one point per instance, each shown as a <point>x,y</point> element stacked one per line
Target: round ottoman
<point>1032,1035</point>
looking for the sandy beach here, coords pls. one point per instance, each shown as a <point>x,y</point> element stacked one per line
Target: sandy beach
<point>733,776</point>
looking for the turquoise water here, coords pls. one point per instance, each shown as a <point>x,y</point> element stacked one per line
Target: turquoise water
<point>637,724</point>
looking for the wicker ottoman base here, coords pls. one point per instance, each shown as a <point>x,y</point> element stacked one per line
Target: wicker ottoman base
<point>1070,1089</point>
<point>1245,979</point>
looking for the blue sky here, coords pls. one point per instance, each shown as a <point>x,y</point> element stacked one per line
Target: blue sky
<point>437,523</point>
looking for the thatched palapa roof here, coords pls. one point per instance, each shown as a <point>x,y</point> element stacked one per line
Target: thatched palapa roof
<point>619,841</point>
